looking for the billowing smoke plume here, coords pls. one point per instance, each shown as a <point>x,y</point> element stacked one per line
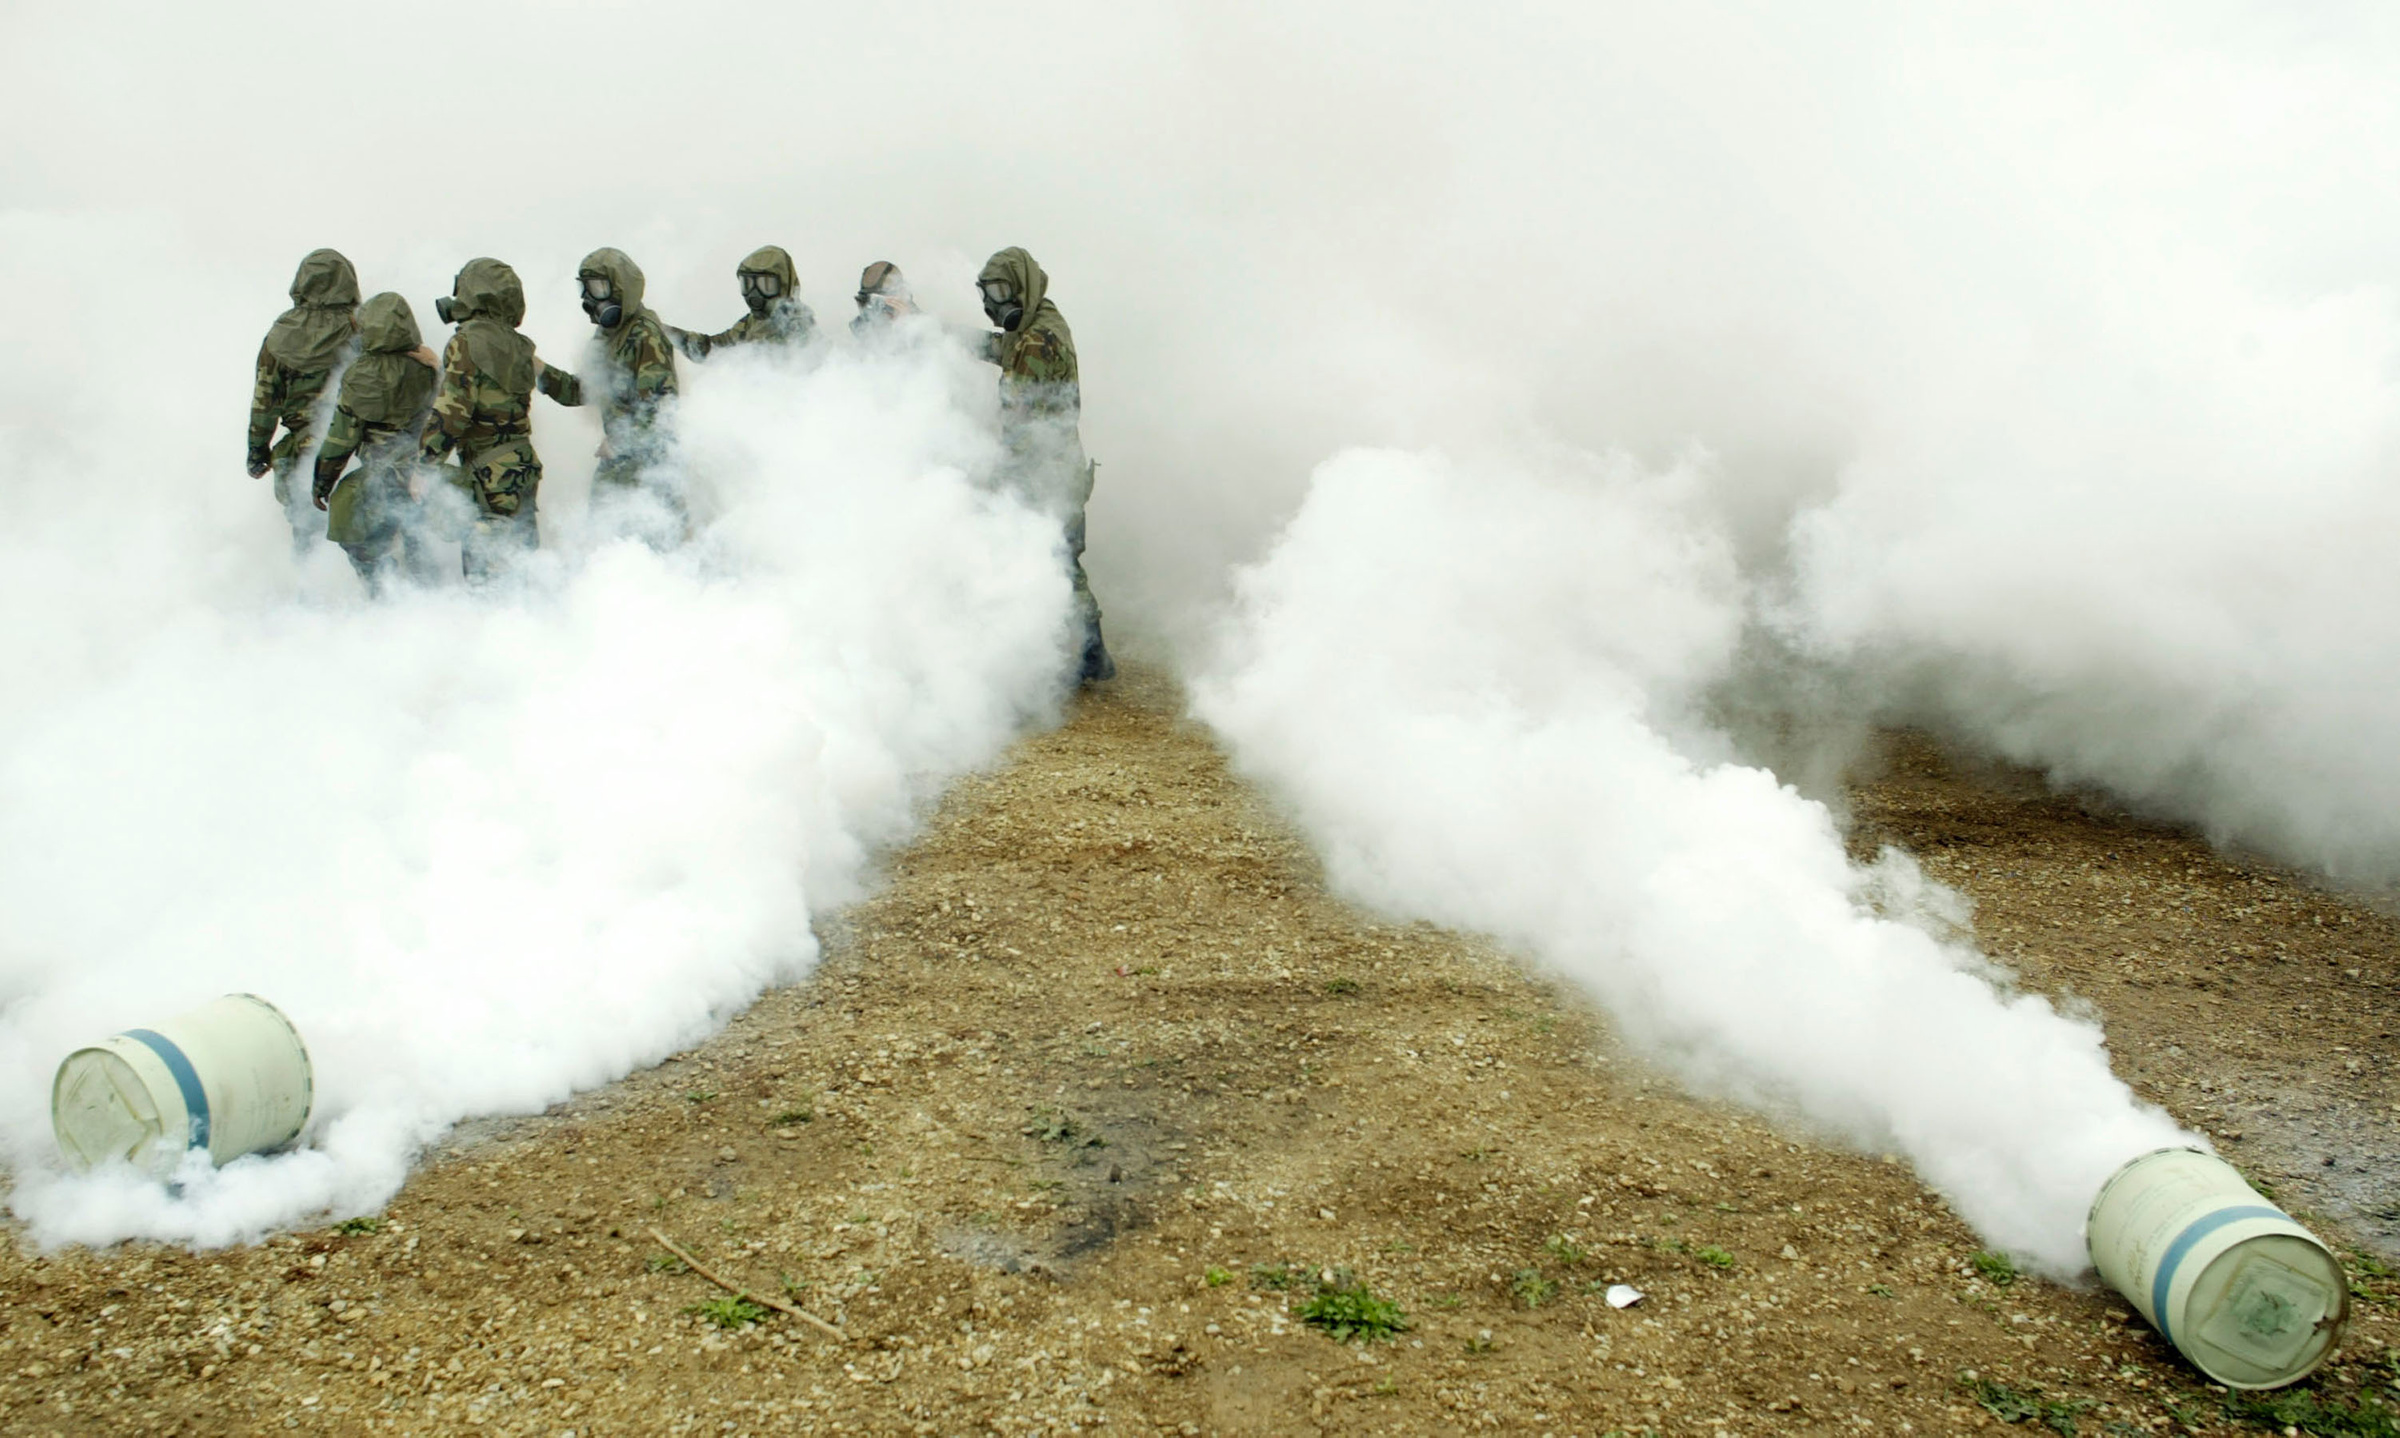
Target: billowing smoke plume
<point>488,849</point>
<point>1475,685</point>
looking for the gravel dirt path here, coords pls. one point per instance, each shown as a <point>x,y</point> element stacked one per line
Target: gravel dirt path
<point>1101,1088</point>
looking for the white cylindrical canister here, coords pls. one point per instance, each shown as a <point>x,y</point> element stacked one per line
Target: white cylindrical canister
<point>230,1077</point>
<point>2249,1296</point>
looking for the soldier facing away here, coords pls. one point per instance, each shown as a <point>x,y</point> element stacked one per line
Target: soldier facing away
<point>483,408</point>
<point>306,344</point>
<point>633,379</point>
<point>771,290</point>
<point>1041,412</point>
<point>385,395</point>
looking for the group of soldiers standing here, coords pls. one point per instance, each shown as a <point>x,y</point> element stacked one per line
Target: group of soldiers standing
<point>398,412</point>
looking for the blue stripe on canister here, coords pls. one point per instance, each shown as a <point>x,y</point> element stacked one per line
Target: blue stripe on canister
<point>187,1078</point>
<point>2188,1240</point>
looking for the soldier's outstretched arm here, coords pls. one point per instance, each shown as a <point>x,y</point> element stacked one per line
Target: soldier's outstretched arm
<point>266,403</point>
<point>559,385</point>
<point>694,347</point>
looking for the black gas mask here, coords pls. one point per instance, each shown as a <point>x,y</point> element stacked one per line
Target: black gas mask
<point>447,307</point>
<point>1001,305</point>
<point>760,290</point>
<point>600,302</point>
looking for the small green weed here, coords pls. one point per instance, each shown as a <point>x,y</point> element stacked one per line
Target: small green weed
<point>1997,1268</point>
<point>1566,1250</point>
<point>1341,987</point>
<point>357,1226</point>
<point>700,1095</point>
<point>2011,1405</point>
<point>1352,1313</point>
<point>791,1116</point>
<point>2316,1414</point>
<point>1880,1290</point>
<point>1052,1125</point>
<point>730,1311</point>
<point>1530,1288</point>
<point>1445,1300</point>
<point>1276,1276</point>
<point>1218,1277</point>
<point>1713,1256</point>
<point>666,1263</point>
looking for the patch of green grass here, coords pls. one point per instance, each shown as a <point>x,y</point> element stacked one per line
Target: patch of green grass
<point>1713,1256</point>
<point>1276,1276</point>
<point>1880,1290</point>
<point>1353,1314</point>
<point>1996,1268</point>
<point>1341,987</point>
<point>791,1116</point>
<point>1445,1300</point>
<point>1218,1277</point>
<point>700,1095</point>
<point>357,1226</point>
<point>666,1263</point>
<point>1566,1250</point>
<point>1530,1288</point>
<point>730,1311</point>
<point>2317,1414</point>
<point>2015,1405</point>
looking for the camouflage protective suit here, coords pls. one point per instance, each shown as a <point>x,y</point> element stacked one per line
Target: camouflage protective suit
<point>1041,411</point>
<point>633,378</point>
<point>777,319</point>
<point>483,409</point>
<point>306,344</point>
<point>385,395</point>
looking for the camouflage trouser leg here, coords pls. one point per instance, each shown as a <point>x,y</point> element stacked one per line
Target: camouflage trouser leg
<point>626,484</point>
<point>376,558</point>
<point>495,543</point>
<point>299,511</point>
<point>506,481</point>
<point>1095,663</point>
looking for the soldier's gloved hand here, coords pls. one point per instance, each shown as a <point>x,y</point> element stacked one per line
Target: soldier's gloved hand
<point>694,347</point>
<point>260,463</point>
<point>321,491</point>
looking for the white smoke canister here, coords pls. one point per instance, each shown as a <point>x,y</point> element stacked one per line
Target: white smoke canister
<point>2249,1296</point>
<point>231,1077</point>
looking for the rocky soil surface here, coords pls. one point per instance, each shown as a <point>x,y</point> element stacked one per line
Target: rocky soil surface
<point>1103,1093</point>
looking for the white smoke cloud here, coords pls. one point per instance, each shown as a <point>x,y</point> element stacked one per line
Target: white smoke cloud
<point>1474,684</point>
<point>488,849</point>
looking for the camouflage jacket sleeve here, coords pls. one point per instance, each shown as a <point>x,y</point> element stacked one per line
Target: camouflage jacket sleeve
<point>266,402</point>
<point>341,441</point>
<point>453,401</point>
<point>694,346</point>
<point>560,385</point>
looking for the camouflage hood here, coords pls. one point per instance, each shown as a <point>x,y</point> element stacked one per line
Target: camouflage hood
<point>490,301</point>
<point>386,385</point>
<point>623,275</point>
<point>313,332</point>
<point>771,260</point>
<point>488,287</point>
<point>386,325</point>
<point>1033,286</point>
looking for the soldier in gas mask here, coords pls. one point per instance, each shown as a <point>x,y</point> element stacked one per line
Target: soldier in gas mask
<point>307,343</point>
<point>1041,411</point>
<point>385,395</point>
<point>483,408</point>
<point>771,289</point>
<point>884,299</point>
<point>633,380</point>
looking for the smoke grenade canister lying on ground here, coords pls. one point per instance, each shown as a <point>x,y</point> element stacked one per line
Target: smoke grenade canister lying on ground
<point>2249,1296</point>
<point>230,1077</point>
